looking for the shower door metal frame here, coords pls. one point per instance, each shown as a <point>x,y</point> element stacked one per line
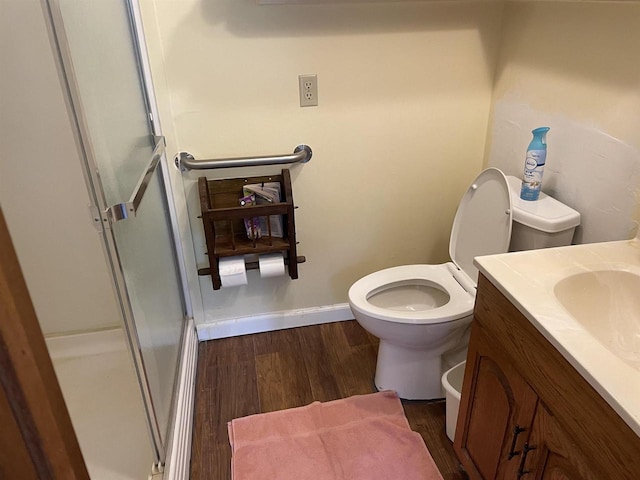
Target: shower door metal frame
<point>100,208</point>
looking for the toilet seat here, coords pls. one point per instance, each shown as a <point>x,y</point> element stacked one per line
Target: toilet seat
<point>440,277</point>
<point>482,226</point>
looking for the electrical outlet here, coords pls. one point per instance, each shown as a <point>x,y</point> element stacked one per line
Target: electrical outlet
<point>308,90</point>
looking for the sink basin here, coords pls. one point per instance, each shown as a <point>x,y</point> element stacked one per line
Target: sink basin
<point>607,304</point>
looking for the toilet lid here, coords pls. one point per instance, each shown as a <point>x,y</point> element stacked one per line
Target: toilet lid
<point>482,225</point>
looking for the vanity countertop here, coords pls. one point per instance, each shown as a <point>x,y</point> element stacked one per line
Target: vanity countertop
<point>528,279</point>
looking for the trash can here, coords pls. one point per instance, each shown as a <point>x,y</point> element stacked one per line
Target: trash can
<point>452,384</point>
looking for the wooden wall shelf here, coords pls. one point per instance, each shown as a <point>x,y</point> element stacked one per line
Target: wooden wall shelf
<point>223,220</point>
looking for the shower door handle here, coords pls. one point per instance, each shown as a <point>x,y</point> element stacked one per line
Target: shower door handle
<point>121,211</point>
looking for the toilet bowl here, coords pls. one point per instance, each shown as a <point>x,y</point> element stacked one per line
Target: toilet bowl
<point>419,313</point>
<point>422,313</point>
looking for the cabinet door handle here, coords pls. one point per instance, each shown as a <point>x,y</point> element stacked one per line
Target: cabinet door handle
<point>521,471</point>
<point>517,430</point>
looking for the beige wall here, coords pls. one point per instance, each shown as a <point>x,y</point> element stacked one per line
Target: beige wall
<point>405,102</point>
<point>574,67</point>
<point>42,190</point>
<point>404,92</point>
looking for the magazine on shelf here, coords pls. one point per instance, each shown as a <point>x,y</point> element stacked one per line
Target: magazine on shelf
<point>251,225</point>
<point>267,193</point>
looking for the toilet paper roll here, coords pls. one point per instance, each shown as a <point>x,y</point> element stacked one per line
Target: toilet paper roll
<point>271,265</point>
<point>232,271</point>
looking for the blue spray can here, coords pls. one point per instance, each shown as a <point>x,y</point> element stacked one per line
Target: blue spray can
<point>534,165</point>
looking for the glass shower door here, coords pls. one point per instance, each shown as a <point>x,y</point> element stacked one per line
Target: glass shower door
<point>124,158</point>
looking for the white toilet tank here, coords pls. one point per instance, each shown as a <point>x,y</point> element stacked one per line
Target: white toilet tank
<point>543,223</point>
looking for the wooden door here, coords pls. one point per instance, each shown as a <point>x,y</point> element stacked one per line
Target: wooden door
<point>496,413</point>
<point>552,454</point>
<point>36,436</point>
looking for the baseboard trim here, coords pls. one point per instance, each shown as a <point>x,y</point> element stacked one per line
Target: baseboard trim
<point>268,322</point>
<point>178,460</point>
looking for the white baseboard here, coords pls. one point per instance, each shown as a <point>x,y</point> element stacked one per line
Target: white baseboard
<point>267,322</point>
<point>178,458</point>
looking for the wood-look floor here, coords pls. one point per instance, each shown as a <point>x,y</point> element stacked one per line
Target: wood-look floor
<point>289,368</point>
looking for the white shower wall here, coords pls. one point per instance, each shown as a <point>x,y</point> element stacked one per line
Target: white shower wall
<point>45,202</point>
<point>42,189</point>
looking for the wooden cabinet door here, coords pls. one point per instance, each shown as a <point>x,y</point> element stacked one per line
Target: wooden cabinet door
<point>496,413</point>
<point>552,454</point>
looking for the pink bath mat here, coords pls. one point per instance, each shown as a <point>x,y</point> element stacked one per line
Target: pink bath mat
<point>360,437</point>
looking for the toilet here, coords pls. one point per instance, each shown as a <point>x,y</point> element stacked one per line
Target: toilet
<point>422,313</point>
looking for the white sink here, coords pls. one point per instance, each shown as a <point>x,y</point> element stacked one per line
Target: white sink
<point>585,299</point>
<point>607,304</point>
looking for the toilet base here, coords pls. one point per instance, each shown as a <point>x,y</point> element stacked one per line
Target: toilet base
<point>413,373</point>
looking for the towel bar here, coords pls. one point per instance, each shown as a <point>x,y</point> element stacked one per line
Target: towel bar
<point>185,161</point>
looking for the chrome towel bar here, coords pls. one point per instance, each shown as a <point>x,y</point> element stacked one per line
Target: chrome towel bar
<point>185,161</point>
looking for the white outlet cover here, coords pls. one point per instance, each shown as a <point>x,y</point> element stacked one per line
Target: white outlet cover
<point>308,89</point>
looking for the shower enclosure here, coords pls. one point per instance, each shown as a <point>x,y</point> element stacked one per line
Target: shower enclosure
<point>112,106</point>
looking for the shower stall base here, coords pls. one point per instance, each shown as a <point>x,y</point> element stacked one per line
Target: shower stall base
<point>95,372</point>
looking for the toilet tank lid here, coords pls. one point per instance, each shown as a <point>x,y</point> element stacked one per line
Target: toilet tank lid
<point>545,214</point>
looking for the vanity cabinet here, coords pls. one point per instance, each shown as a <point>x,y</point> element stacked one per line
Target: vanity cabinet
<point>526,413</point>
